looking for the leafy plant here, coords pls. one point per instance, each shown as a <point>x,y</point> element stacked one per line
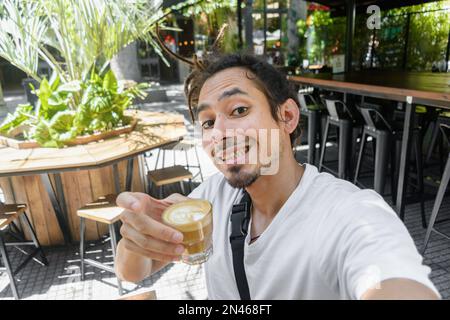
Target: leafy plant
<point>102,107</point>
<point>77,39</point>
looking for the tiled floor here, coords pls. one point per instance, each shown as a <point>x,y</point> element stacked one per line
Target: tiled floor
<point>61,279</point>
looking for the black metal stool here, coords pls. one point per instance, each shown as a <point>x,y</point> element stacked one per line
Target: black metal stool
<point>104,210</point>
<point>9,213</point>
<point>348,127</point>
<point>313,111</point>
<point>387,141</point>
<point>440,195</point>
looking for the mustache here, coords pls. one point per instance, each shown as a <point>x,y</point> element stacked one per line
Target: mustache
<point>232,144</point>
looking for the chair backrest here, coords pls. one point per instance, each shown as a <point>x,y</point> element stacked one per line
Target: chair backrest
<point>445,128</point>
<point>373,117</point>
<point>337,109</point>
<point>304,98</point>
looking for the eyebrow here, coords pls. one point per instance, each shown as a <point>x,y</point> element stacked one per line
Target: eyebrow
<point>231,92</point>
<point>225,94</point>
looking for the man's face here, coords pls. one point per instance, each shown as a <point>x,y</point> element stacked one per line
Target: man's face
<point>237,126</point>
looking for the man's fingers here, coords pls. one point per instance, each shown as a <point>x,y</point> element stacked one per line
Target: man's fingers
<point>129,201</point>
<point>131,246</point>
<point>148,226</point>
<point>150,243</point>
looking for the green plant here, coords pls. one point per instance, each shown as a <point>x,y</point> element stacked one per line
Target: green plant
<point>73,35</point>
<point>77,39</point>
<point>102,107</point>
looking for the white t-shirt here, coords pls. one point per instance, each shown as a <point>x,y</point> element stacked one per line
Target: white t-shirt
<point>330,240</point>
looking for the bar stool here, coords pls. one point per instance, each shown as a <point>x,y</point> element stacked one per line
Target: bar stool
<point>160,177</point>
<point>440,195</point>
<point>103,210</point>
<point>183,145</point>
<point>8,214</point>
<point>348,128</point>
<point>170,175</point>
<point>442,117</point>
<point>387,141</point>
<point>310,108</point>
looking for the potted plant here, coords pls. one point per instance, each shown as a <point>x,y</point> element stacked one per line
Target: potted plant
<point>77,39</point>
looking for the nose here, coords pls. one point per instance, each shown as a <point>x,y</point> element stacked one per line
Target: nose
<point>219,128</point>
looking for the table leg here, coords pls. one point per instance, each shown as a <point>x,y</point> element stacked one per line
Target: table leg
<point>116,178</point>
<point>129,179</point>
<point>58,203</point>
<point>403,167</point>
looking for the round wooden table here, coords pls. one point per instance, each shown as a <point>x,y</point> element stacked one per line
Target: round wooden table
<point>54,183</point>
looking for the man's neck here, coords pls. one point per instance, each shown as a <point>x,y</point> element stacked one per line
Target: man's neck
<point>270,192</point>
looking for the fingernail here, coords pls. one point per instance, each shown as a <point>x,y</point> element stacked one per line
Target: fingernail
<point>177,237</point>
<point>179,249</point>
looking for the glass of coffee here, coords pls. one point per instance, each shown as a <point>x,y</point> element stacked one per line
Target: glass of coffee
<point>193,218</point>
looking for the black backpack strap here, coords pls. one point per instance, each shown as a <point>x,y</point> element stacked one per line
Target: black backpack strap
<point>240,218</point>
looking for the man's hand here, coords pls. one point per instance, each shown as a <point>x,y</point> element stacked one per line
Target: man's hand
<point>147,245</point>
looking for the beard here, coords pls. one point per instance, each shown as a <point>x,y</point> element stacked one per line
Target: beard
<point>237,178</point>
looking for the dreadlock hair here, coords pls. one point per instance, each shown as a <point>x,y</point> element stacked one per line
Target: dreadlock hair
<point>269,80</point>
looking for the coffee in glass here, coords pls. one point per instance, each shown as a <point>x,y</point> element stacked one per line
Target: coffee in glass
<point>193,218</point>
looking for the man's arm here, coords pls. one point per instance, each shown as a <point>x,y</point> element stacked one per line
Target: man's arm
<point>400,289</point>
<point>133,267</point>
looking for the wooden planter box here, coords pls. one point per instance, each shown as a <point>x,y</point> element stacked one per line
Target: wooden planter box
<point>29,144</point>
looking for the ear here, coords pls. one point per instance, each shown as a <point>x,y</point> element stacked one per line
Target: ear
<point>289,113</point>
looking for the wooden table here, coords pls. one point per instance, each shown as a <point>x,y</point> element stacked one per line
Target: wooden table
<point>54,183</point>
<point>430,89</point>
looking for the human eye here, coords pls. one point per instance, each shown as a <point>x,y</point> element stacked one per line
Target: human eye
<point>239,111</point>
<point>207,124</point>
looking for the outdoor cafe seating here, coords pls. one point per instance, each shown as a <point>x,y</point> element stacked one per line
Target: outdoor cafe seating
<point>374,104</point>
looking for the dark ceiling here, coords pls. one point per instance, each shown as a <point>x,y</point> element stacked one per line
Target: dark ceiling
<point>338,6</point>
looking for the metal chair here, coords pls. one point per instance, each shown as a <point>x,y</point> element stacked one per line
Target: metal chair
<point>160,177</point>
<point>387,139</point>
<point>8,214</point>
<point>184,145</point>
<point>440,195</point>
<point>311,109</point>
<point>103,210</point>
<point>348,126</point>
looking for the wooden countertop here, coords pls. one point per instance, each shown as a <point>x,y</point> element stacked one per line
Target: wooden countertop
<point>424,87</point>
<point>153,130</point>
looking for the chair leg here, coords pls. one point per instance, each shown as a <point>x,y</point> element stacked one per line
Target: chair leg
<point>393,172</point>
<point>324,144</point>
<point>434,137</point>
<point>182,188</point>
<point>381,162</point>
<point>157,159</point>
<point>112,233</point>
<point>419,171</point>
<point>345,135</point>
<point>198,163</point>
<point>356,132</point>
<point>187,160</point>
<point>360,156</point>
<point>35,239</point>
<point>7,264</point>
<point>313,118</point>
<point>82,234</point>
<point>437,203</point>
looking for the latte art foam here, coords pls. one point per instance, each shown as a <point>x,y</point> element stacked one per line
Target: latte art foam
<point>187,214</point>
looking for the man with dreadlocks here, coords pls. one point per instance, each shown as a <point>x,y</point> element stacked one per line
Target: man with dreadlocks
<point>311,235</point>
